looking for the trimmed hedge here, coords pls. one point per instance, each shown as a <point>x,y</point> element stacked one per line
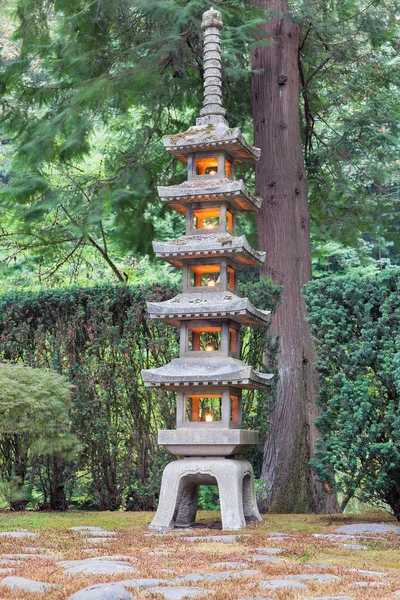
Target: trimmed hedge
<point>100,338</point>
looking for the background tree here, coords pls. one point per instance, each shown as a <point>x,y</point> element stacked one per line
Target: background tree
<point>34,424</point>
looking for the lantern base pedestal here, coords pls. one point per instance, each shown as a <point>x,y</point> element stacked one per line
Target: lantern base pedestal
<point>180,484</point>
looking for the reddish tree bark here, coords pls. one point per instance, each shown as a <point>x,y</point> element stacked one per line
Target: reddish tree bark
<point>284,233</point>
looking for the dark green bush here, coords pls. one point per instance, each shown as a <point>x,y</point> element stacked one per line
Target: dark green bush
<point>356,322</point>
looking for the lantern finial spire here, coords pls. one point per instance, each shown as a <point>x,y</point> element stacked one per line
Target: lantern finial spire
<point>212,110</point>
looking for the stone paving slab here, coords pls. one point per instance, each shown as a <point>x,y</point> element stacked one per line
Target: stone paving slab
<point>370,528</point>
<point>18,534</point>
<point>143,583</point>
<point>4,570</point>
<point>328,598</point>
<point>338,537</point>
<point>29,585</point>
<point>230,565</point>
<point>98,540</point>
<point>96,567</point>
<point>24,556</point>
<point>265,558</point>
<point>103,591</point>
<point>366,584</point>
<point>270,550</point>
<point>279,584</point>
<point>320,577</point>
<point>353,546</point>
<point>217,576</point>
<point>368,573</point>
<point>159,553</point>
<point>179,592</point>
<point>117,557</point>
<point>227,539</point>
<point>85,528</point>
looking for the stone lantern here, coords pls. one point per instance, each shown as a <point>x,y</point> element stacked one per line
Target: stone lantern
<point>208,376</point>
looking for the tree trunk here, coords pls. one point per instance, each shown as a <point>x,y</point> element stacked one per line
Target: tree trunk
<point>58,500</point>
<point>284,234</point>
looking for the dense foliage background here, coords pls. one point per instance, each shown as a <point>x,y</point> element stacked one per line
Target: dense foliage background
<point>100,339</point>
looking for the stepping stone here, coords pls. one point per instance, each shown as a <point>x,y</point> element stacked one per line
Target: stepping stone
<point>279,584</point>
<point>97,540</point>
<point>4,570</point>
<point>29,585</point>
<point>335,537</point>
<point>266,558</point>
<point>117,557</point>
<point>353,546</point>
<point>374,584</point>
<point>91,566</point>
<point>230,565</point>
<point>320,577</point>
<point>370,528</point>
<point>179,592</point>
<point>103,591</point>
<point>269,550</point>
<point>227,539</point>
<point>159,553</point>
<point>18,534</point>
<point>328,598</point>
<point>142,583</point>
<point>85,528</point>
<point>217,576</point>
<point>278,534</point>
<point>368,573</point>
<point>24,556</point>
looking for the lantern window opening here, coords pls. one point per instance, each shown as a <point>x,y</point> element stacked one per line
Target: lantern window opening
<point>228,169</point>
<point>231,276</point>
<point>206,166</point>
<point>203,409</point>
<point>229,221</point>
<point>234,404</point>
<point>206,218</point>
<point>232,340</point>
<point>205,275</point>
<point>205,339</point>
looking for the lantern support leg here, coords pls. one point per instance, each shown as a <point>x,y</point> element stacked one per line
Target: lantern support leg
<point>181,479</point>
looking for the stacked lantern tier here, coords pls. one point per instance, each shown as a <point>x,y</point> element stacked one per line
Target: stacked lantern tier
<point>208,375</point>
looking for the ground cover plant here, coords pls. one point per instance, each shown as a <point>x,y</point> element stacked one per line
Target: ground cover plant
<point>297,552</point>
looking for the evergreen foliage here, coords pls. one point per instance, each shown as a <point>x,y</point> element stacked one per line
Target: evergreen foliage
<point>34,425</point>
<point>100,339</point>
<point>356,322</point>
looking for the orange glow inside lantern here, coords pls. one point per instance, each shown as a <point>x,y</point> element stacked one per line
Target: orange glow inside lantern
<point>203,408</point>
<point>200,275</point>
<point>205,339</point>
<point>206,218</point>
<point>206,166</point>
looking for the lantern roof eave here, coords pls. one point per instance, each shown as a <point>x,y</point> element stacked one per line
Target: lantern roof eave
<point>207,305</point>
<point>211,137</point>
<point>209,245</point>
<point>206,371</point>
<point>233,192</point>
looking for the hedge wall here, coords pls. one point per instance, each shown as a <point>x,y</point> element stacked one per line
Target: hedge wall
<point>100,339</point>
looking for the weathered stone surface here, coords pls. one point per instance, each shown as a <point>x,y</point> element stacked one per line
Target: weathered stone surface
<point>98,540</point>
<point>369,528</point>
<point>103,591</point>
<point>269,550</point>
<point>336,537</point>
<point>18,534</point>
<point>369,584</point>
<point>20,583</point>
<point>329,598</point>
<point>279,584</point>
<point>320,577</point>
<point>114,557</point>
<point>279,534</point>
<point>368,572</point>
<point>5,570</point>
<point>26,556</point>
<point>230,565</point>
<point>159,553</point>
<point>181,479</point>
<point>353,546</point>
<point>200,371</point>
<point>265,558</point>
<point>217,576</point>
<point>213,442</point>
<point>227,539</point>
<point>179,592</point>
<point>86,529</point>
<point>142,583</point>
<point>96,567</point>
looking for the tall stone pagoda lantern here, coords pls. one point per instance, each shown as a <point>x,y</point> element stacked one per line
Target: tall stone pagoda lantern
<point>208,376</point>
